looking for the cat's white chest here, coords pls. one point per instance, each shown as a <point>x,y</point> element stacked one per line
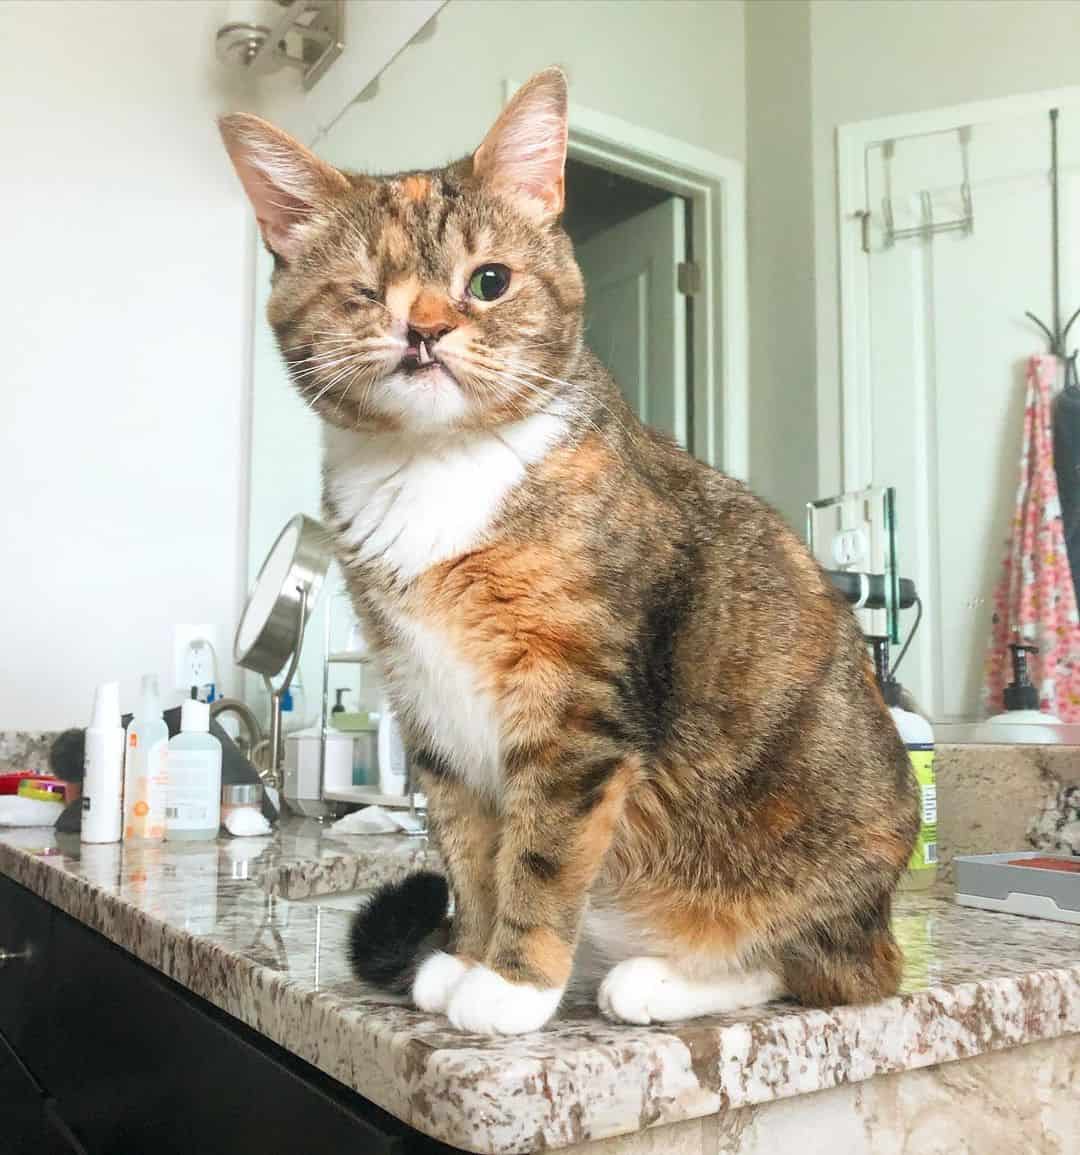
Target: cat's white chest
<point>412,502</point>
<point>407,505</point>
<point>442,694</point>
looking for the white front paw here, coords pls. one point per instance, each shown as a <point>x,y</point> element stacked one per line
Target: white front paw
<point>435,981</point>
<point>484,1003</point>
<point>630,989</point>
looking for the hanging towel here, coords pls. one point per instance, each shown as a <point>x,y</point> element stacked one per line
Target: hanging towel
<point>1067,468</point>
<point>1035,600</point>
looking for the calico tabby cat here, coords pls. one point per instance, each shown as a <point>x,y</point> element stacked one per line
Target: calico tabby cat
<point>649,732</point>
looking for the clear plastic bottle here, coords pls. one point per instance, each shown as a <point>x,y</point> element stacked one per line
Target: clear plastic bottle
<point>146,773</point>
<point>193,799</point>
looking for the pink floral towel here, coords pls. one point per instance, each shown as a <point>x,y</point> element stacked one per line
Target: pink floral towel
<point>1035,600</point>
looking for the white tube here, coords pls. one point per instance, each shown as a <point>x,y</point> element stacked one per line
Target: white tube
<point>103,777</point>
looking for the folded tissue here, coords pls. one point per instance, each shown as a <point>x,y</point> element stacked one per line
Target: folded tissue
<point>243,822</point>
<point>18,811</point>
<point>376,820</point>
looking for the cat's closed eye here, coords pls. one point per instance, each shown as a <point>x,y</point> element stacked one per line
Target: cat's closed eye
<point>359,296</point>
<point>489,282</point>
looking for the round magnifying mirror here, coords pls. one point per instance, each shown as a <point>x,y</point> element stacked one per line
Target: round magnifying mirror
<point>292,574</point>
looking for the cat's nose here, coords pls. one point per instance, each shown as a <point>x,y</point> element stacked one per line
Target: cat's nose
<point>429,333</point>
<point>431,316</point>
<point>428,329</point>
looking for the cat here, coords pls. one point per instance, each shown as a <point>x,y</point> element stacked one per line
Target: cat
<point>649,732</point>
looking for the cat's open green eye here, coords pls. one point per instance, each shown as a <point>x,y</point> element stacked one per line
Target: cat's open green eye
<point>489,282</point>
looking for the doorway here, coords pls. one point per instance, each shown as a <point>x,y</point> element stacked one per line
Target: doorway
<point>632,241</point>
<point>712,191</point>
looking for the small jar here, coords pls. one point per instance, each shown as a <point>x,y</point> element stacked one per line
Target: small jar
<point>242,796</point>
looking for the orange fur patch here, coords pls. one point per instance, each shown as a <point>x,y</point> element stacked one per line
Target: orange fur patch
<point>518,615</point>
<point>431,311</point>
<point>415,187</point>
<point>778,817</point>
<point>547,954</point>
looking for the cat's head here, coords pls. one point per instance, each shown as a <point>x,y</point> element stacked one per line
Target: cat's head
<point>425,301</point>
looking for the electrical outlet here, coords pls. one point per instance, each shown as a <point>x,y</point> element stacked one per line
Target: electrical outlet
<point>850,547</point>
<point>195,651</point>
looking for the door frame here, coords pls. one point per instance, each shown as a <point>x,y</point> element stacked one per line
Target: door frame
<point>853,140</point>
<point>715,187</point>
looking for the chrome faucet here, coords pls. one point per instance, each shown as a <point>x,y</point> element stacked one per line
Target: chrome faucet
<point>256,739</point>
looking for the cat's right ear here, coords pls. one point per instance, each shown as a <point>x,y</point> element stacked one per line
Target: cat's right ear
<point>285,182</point>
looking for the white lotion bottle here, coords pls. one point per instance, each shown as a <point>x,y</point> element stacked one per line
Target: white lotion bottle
<point>193,798</point>
<point>103,769</point>
<point>146,772</point>
<point>391,753</point>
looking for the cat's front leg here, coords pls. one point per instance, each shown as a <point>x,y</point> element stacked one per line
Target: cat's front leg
<point>559,815</point>
<point>465,828</point>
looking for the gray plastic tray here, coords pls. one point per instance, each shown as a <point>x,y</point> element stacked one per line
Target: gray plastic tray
<point>989,882</point>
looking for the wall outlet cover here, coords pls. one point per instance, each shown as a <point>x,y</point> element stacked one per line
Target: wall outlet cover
<point>196,655</point>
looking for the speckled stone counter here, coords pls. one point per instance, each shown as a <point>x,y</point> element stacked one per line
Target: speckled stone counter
<point>211,917</point>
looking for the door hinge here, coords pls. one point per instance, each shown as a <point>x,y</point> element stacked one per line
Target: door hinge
<point>689,278</point>
<point>864,229</point>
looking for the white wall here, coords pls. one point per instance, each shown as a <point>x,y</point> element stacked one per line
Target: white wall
<point>124,305</point>
<point>875,58</point>
<point>780,252</point>
<point>675,66</point>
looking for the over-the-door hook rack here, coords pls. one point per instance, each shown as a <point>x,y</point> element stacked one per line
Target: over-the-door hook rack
<point>1058,335</point>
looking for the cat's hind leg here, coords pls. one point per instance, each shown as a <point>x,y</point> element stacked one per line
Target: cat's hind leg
<point>854,959</point>
<point>657,990</point>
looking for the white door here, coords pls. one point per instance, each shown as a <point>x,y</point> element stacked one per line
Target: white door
<point>948,344</point>
<point>635,316</point>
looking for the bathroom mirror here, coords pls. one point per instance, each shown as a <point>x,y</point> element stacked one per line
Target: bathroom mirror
<point>272,628</point>
<point>887,342</point>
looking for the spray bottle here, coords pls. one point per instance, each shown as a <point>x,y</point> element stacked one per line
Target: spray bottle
<point>146,773</point>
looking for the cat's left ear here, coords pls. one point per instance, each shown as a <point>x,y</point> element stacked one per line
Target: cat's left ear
<point>286,183</point>
<point>523,157</point>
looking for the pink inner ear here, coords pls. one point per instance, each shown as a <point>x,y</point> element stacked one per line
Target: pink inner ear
<point>524,155</point>
<point>284,181</point>
<point>276,210</point>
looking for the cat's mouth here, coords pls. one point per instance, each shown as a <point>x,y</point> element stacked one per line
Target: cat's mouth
<point>421,359</point>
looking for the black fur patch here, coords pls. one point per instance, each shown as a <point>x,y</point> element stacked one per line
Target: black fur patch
<point>594,782</point>
<point>541,866</point>
<point>402,924</point>
<point>648,691</point>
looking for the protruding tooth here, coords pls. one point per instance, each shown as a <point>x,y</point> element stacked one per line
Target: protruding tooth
<point>425,353</point>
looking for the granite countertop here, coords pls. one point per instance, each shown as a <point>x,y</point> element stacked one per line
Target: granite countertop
<point>222,920</point>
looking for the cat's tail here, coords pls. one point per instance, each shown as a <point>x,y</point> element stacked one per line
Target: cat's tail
<point>402,925</point>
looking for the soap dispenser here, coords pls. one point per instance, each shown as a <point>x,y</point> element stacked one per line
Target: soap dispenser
<point>1021,698</point>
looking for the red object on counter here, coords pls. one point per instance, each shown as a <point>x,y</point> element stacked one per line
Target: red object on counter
<point>9,780</point>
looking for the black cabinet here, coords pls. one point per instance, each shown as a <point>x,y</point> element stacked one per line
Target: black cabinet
<point>28,1119</point>
<point>103,1054</point>
<point>25,923</point>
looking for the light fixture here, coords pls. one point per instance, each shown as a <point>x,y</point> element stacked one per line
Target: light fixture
<point>308,35</point>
